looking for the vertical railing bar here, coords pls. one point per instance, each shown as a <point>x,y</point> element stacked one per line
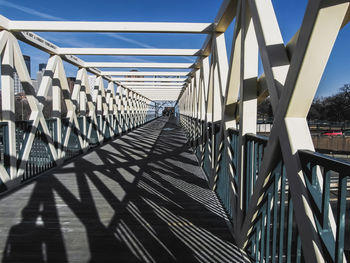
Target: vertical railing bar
<point>298,247</point>
<point>258,240</point>
<point>289,229</point>
<point>255,165</point>
<point>268,230</point>
<point>341,210</point>
<point>275,213</point>
<point>262,239</point>
<point>282,215</point>
<point>325,199</point>
<point>247,173</point>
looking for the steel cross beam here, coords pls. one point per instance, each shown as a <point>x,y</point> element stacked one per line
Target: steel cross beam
<point>46,46</point>
<point>129,51</point>
<point>288,69</point>
<point>23,29</point>
<point>141,79</point>
<point>154,83</point>
<point>217,91</point>
<point>159,88</point>
<point>144,73</point>
<point>89,26</point>
<point>138,65</point>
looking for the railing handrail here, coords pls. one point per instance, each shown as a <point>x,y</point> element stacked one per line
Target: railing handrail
<point>258,138</point>
<point>330,163</point>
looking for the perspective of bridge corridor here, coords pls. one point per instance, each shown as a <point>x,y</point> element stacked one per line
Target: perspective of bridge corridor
<point>175,131</point>
<point>141,197</point>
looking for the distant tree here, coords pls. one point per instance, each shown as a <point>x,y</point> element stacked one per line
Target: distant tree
<point>265,109</point>
<point>317,110</point>
<point>332,108</point>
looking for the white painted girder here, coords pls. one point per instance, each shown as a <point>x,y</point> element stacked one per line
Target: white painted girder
<point>129,51</point>
<point>146,84</point>
<point>157,90</point>
<point>289,113</point>
<point>143,73</point>
<point>137,65</point>
<point>154,86</point>
<point>151,95</point>
<point>165,97</point>
<point>140,79</point>
<point>89,26</point>
<point>225,15</point>
<point>223,19</point>
<point>170,91</point>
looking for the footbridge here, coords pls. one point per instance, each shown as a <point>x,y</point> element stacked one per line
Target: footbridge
<point>97,175</point>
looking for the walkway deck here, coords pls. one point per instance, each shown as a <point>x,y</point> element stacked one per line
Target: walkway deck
<point>141,197</point>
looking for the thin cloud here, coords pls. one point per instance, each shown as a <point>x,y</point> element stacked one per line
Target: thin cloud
<point>77,43</point>
<point>140,44</point>
<point>68,41</point>
<point>129,40</point>
<point>30,11</point>
<point>133,59</point>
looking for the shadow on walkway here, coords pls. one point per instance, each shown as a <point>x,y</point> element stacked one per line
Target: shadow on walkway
<point>140,198</point>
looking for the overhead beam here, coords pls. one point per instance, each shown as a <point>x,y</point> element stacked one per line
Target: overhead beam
<point>48,47</point>
<point>162,96</point>
<point>145,84</point>
<point>157,88</point>
<point>129,51</point>
<point>124,27</point>
<point>154,86</point>
<point>4,22</point>
<point>142,73</point>
<point>223,19</point>
<point>151,92</point>
<point>138,65</point>
<point>225,15</point>
<point>141,79</point>
<point>172,98</point>
<point>156,96</point>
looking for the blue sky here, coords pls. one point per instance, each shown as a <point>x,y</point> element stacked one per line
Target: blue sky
<point>289,14</point>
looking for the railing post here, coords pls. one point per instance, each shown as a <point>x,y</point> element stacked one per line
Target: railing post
<point>248,98</point>
<point>56,113</point>
<point>8,107</point>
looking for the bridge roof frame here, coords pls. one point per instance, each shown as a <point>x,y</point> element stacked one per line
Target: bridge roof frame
<point>23,31</point>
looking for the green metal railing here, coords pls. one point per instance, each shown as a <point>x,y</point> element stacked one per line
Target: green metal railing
<point>327,181</point>
<point>93,140</point>
<point>223,182</point>
<point>40,158</point>
<point>4,146</point>
<point>274,235</point>
<point>73,147</point>
<point>207,160</point>
<point>227,166</point>
<point>253,155</point>
<point>198,144</point>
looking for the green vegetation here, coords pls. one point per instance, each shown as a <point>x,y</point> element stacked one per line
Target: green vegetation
<point>335,108</point>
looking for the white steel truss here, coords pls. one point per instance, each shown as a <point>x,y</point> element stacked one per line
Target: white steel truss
<point>216,97</point>
<point>224,95</point>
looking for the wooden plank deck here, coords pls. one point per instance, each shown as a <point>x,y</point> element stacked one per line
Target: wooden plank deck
<point>139,198</point>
